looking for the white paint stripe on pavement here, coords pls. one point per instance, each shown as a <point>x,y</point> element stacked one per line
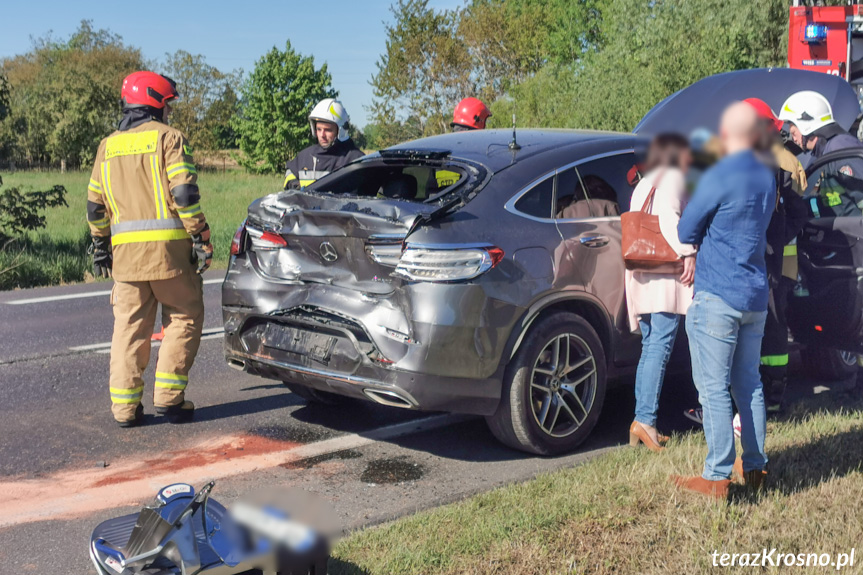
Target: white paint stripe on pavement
<point>81,295</point>
<point>82,492</point>
<point>210,333</point>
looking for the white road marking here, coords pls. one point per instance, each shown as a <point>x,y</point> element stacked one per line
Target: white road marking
<point>82,492</point>
<point>211,333</point>
<point>82,295</point>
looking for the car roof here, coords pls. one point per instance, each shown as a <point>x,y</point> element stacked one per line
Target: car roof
<point>491,147</point>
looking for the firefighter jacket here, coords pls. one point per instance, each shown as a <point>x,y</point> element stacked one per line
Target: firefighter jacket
<point>840,184</point>
<point>789,216</point>
<point>143,194</point>
<point>792,186</point>
<point>315,162</point>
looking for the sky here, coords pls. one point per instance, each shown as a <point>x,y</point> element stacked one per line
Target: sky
<point>348,35</point>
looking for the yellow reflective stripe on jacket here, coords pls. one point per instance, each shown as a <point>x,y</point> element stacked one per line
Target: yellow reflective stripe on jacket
<point>148,236</point>
<point>181,168</point>
<point>288,178</point>
<point>774,360</point>
<point>100,224</point>
<point>304,183</point>
<point>95,186</point>
<point>131,144</point>
<point>158,192</point>
<point>109,193</point>
<point>790,250</point>
<point>171,380</point>
<point>121,395</point>
<point>189,212</point>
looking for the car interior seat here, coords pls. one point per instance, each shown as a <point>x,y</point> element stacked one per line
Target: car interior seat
<point>400,186</point>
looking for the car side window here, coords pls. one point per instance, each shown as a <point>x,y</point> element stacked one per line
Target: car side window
<point>537,201</point>
<point>605,182</point>
<point>571,200</point>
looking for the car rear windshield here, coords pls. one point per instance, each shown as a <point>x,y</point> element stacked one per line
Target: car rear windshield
<point>413,181</point>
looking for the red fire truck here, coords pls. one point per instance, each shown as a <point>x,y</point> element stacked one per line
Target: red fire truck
<point>827,39</point>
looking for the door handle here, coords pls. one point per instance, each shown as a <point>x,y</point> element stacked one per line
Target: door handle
<point>593,241</point>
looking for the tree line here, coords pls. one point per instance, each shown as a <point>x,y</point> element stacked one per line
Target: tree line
<point>58,100</point>
<point>598,64</point>
<point>593,64</point>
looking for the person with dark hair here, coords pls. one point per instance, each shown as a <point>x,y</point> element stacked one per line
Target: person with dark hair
<point>658,301</point>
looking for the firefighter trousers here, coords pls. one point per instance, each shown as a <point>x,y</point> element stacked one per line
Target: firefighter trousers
<point>135,305</point>
<point>774,345</point>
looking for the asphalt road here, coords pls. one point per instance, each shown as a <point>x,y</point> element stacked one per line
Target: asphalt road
<point>64,465</point>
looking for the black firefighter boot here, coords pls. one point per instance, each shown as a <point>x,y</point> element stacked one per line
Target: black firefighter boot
<point>774,390</point>
<point>180,413</point>
<point>135,421</point>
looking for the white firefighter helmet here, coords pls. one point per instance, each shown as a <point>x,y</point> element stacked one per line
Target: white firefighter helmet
<point>807,110</point>
<point>331,110</point>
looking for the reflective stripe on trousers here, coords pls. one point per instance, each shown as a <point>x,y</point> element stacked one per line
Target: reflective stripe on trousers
<point>774,360</point>
<point>171,380</point>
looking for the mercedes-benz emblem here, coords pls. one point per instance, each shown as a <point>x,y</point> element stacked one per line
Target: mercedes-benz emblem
<point>328,252</point>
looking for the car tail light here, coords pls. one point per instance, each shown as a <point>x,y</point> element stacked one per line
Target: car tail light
<point>447,264</point>
<point>238,243</point>
<point>265,240</point>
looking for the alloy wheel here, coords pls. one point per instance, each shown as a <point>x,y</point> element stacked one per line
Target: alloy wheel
<point>563,385</point>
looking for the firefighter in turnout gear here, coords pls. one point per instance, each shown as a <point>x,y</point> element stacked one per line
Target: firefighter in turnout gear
<point>787,221</point>
<point>144,212</point>
<point>840,183</point>
<point>334,147</point>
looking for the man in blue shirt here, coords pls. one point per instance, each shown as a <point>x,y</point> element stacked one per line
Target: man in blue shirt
<point>728,218</point>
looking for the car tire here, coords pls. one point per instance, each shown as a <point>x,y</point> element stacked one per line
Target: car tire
<point>823,364</point>
<point>537,387</point>
<point>315,396</point>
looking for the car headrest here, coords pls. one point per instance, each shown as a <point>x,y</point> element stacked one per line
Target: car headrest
<point>400,186</point>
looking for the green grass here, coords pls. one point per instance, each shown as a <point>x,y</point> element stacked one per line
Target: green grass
<point>619,514</point>
<point>57,254</point>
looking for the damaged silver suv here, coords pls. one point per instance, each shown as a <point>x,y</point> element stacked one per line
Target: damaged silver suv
<point>456,273</point>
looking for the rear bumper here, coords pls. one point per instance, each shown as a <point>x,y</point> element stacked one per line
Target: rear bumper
<point>385,386</point>
<point>435,347</point>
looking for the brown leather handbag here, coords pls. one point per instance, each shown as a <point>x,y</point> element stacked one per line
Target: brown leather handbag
<point>644,247</point>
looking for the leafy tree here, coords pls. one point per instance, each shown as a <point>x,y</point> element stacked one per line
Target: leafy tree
<point>648,51</point>
<point>423,73</point>
<point>276,99</point>
<point>64,94</point>
<point>207,100</point>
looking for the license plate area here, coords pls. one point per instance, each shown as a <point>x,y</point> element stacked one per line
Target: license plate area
<point>314,345</point>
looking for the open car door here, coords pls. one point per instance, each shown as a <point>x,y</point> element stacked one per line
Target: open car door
<point>827,308</point>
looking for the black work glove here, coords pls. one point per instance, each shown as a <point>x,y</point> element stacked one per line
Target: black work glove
<point>103,260</point>
<point>203,249</point>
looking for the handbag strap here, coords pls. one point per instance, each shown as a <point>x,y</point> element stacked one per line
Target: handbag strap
<point>647,208</point>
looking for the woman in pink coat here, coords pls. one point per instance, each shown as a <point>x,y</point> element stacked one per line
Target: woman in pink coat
<point>657,302</point>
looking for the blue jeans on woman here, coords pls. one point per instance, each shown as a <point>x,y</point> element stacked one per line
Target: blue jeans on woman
<point>658,332</point>
<point>725,345</point>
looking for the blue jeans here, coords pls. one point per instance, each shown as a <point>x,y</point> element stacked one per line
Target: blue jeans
<point>726,346</point>
<point>658,332</point>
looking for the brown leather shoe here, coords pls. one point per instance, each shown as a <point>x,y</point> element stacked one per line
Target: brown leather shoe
<point>753,479</point>
<point>716,489</point>
<point>637,433</point>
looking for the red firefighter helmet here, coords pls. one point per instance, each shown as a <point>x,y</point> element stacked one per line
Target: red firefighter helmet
<point>764,111</point>
<point>147,89</point>
<point>471,113</point>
